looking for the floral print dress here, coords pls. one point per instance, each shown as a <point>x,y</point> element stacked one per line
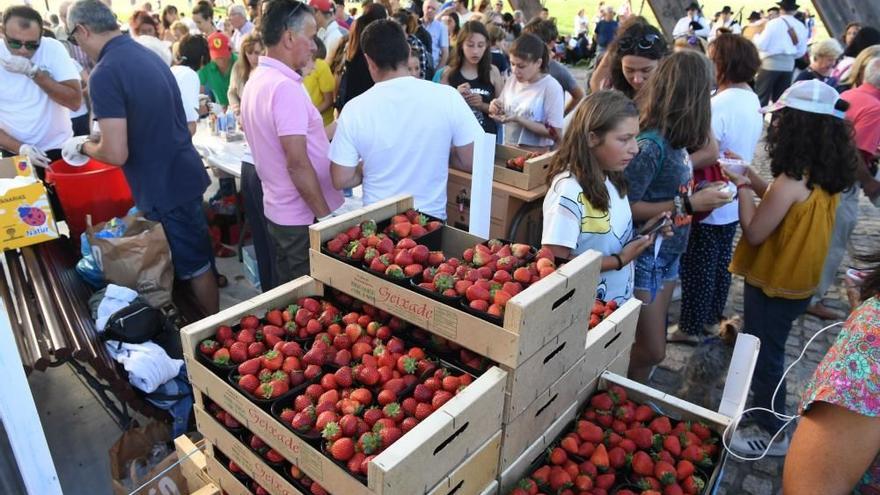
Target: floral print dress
<point>849,377</point>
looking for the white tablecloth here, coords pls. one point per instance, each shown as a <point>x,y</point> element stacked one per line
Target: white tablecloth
<point>220,154</point>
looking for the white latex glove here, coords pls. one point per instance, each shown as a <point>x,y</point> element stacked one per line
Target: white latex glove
<point>216,108</point>
<point>72,153</point>
<point>18,65</point>
<point>34,155</point>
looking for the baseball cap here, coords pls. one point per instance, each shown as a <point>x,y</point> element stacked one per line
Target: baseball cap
<point>218,45</point>
<point>321,5</point>
<point>812,96</point>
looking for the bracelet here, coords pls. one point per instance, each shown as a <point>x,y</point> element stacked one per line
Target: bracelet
<point>688,208</point>
<point>744,185</point>
<point>619,262</point>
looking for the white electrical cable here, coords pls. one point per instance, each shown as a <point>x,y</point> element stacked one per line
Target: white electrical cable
<point>161,473</point>
<point>782,417</point>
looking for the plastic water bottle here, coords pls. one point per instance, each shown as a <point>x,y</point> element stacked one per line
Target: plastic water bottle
<point>221,123</point>
<point>230,122</point>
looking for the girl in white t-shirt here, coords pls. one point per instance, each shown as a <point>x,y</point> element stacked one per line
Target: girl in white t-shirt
<point>586,206</point>
<point>532,102</point>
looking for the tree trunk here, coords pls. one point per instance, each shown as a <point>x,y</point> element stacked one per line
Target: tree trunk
<point>530,8</point>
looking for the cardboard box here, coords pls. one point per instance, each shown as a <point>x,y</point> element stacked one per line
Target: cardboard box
<point>736,391</point>
<point>532,319</point>
<point>25,215</point>
<point>534,172</point>
<point>223,478</point>
<point>433,448</point>
<point>193,465</point>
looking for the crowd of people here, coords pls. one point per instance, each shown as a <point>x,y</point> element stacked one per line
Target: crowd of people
<point>651,169</point>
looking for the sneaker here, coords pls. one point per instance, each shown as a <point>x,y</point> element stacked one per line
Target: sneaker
<point>752,440</point>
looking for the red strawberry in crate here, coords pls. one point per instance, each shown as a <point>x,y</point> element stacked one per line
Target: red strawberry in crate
<point>342,449</point>
<point>642,464</point>
<point>221,357</point>
<point>208,347</point>
<point>32,215</point>
<point>692,485</point>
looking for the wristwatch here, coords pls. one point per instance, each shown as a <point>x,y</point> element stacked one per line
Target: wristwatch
<point>36,69</point>
<point>679,206</point>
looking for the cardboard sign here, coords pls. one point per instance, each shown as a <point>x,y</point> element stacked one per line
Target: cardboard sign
<point>25,215</point>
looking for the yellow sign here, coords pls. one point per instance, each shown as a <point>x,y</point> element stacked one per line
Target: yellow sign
<point>25,215</point>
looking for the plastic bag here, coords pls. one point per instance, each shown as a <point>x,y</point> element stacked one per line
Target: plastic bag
<point>87,267</point>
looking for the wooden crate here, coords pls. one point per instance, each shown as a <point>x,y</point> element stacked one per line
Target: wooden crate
<point>673,407</point>
<point>192,462</point>
<point>223,478</point>
<point>473,475</point>
<point>534,172</point>
<point>209,489</point>
<point>533,377</point>
<point>532,319</point>
<point>612,337</point>
<point>492,489</point>
<point>442,441</point>
<point>506,202</point>
<point>525,429</point>
<point>247,460</point>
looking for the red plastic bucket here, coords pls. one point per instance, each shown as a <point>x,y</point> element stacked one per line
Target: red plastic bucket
<point>95,189</point>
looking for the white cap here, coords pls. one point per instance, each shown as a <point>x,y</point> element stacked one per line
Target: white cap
<point>812,96</point>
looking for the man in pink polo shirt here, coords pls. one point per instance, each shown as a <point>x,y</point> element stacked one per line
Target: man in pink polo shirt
<point>287,138</point>
<point>864,113</point>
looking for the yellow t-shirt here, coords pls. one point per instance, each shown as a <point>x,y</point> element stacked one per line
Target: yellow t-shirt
<point>788,264</point>
<point>317,83</point>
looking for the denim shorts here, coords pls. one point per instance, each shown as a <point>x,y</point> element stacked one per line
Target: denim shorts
<point>652,273</point>
<point>186,229</point>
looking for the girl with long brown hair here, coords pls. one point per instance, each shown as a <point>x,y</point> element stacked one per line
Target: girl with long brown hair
<point>586,205</point>
<point>674,108</point>
<point>251,49</point>
<point>472,73</point>
<point>355,78</point>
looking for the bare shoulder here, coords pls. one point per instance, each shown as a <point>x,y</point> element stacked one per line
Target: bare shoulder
<point>794,190</point>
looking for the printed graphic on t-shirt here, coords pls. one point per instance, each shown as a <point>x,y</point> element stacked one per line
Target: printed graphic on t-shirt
<point>484,93</point>
<point>594,221</point>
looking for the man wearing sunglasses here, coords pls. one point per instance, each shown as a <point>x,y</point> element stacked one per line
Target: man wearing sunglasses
<point>39,84</point>
<point>137,104</point>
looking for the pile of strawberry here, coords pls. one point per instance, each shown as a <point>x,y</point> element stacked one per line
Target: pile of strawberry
<point>518,163</point>
<point>411,224</point>
<point>223,417</point>
<point>353,244</point>
<point>490,274</point>
<point>359,411</point>
<point>449,350</point>
<point>600,311</point>
<point>313,487</point>
<point>622,447</point>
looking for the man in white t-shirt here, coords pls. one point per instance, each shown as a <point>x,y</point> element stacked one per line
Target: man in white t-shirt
<point>39,86</point>
<point>401,135</point>
<point>783,41</point>
<point>464,13</point>
<point>329,31</point>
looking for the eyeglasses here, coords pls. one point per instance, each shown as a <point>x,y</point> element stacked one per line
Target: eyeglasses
<point>70,34</point>
<point>15,44</point>
<point>293,13</point>
<point>646,42</point>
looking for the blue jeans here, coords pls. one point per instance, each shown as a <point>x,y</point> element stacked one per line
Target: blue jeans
<point>769,319</point>
<point>651,273</point>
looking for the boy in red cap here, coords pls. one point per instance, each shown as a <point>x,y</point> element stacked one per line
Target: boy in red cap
<point>216,74</point>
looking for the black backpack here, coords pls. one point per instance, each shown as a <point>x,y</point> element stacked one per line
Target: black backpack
<point>138,323</point>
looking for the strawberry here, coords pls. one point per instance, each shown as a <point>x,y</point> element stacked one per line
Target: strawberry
<point>368,443</point>
<point>642,464</point>
<point>528,486</point>
<point>664,472</point>
<point>393,411</point>
<point>221,356</point>
<point>274,317</point>
<point>643,414</point>
<point>602,401</point>
<point>604,481</point>
<point>249,322</point>
<point>672,444</point>
<point>224,333</point>
<point>701,430</point>
<point>408,424</point>
<point>246,335</point>
<point>570,444</point>
<point>368,228</point>
<point>394,271</point>
<point>423,410</point>
<point>695,454</point>
<point>388,436</point>
<point>208,347</point>
<point>401,229</point>
<point>673,489</point>
<point>661,425</point>
<point>643,437</point>
<point>692,485</point>
<point>272,360</point>
<point>589,432</point>
<point>422,393</point>
<point>342,449</point>
<point>238,352</point>
<point>683,469</point>
<point>435,258</point>
<point>367,375</point>
<point>406,365</point>
<point>273,456</point>
<point>255,349</point>
<point>248,383</point>
<point>250,367</point>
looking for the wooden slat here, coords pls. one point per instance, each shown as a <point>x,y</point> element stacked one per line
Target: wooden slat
<point>836,14</point>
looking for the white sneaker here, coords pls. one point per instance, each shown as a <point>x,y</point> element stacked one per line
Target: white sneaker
<point>753,440</point>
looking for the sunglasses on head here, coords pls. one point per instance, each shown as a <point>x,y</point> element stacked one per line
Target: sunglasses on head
<point>17,44</point>
<point>646,42</point>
